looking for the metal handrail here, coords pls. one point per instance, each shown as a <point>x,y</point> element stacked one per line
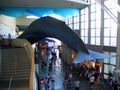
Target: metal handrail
<point>10,82</point>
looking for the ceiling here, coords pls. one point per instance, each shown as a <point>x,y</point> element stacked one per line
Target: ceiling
<point>45,3</point>
<point>64,8</point>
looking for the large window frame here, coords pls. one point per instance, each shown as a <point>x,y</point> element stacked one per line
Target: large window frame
<point>84,25</point>
<point>110,27</point>
<point>95,23</point>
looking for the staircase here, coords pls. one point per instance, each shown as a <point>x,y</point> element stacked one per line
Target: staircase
<point>15,64</point>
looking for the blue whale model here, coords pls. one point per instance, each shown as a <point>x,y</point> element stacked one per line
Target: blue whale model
<point>51,27</point>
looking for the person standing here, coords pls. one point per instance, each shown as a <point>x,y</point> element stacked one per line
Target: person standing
<point>52,81</point>
<point>1,39</point>
<point>92,79</point>
<point>105,84</point>
<point>9,39</point>
<point>116,85</point>
<point>46,83</point>
<point>77,84</point>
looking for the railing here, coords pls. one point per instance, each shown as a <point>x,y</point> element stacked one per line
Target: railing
<point>30,53</point>
<point>10,82</point>
<point>15,60</point>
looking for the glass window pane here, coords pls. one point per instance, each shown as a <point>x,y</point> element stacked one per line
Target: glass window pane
<point>97,32</point>
<point>98,8</point>
<point>106,68</point>
<point>92,32</point>
<point>86,40</point>
<point>86,17</point>
<point>86,32</point>
<point>74,26</point>
<point>112,68</point>
<point>86,10</point>
<point>93,9</point>
<point>98,23</point>
<point>113,42</point>
<point>105,76</point>
<point>86,24</point>
<point>70,20</point>
<point>114,24</point>
<point>106,41</point>
<point>106,15</point>
<point>82,11</point>
<point>82,33</point>
<point>106,23</point>
<point>106,32</point>
<point>82,25</point>
<point>92,40</point>
<point>82,18</point>
<point>114,11</point>
<point>76,19</point>
<point>92,1</point>
<point>98,16</point>
<point>77,26</point>
<point>98,41</point>
<point>92,16</point>
<point>106,60</point>
<point>92,24</point>
<point>113,61</point>
<point>113,32</point>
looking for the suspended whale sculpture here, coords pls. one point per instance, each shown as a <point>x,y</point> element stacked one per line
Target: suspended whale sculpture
<point>51,27</point>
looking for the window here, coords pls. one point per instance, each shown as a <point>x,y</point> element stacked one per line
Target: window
<point>70,22</point>
<point>84,25</point>
<point>76,22</point>
<point>109,64</point>
<point>110,26</point>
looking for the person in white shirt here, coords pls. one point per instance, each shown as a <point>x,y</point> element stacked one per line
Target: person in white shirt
<point>92,79</point>
<point>77,84</point>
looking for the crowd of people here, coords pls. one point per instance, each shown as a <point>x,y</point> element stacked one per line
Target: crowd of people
<point>48,82</point>
<point>47,62</point>
<point>2,39</point>
<point>92,74</point>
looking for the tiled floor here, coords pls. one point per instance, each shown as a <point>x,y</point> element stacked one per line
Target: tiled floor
<point>59,74</point>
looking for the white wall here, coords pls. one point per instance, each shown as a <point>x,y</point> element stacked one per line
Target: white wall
<point>7,25</point>
<point>24,21</point>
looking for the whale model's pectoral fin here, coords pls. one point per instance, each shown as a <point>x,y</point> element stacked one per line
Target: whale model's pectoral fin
<point>82,56</point>
<point>97,55</point>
